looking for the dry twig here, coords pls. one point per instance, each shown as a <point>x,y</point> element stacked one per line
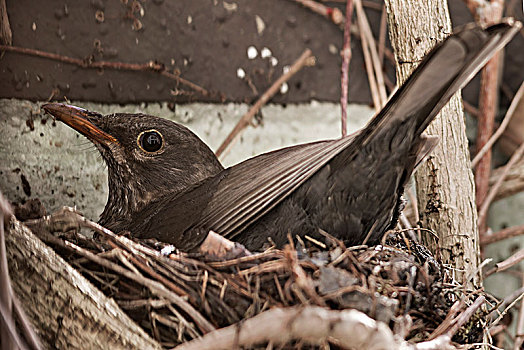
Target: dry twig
<point>331,13</point>
<point>486,13</point>
<point>371,58</point>
<point>346,57</point>
<point>303,60</point>
<point>506,264</point>
<point>507,118</point>
<point>519,339</point>
<point>89,63</point>
<point>9,305</point>
<point>502,234</point>
<point>483,211</point>
<point>312,324</point>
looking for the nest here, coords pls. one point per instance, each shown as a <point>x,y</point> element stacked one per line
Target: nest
<point>179,296</point>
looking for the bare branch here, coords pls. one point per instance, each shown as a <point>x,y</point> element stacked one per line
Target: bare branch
<point>349,328</point>
<point>502,234</point>
<point>346,57</point>
<point>509,114</point>
<point>506,264</point>
<point>149,66</point>
<point>304,59</point>
<point>332,13</point>
<point>483,211</point>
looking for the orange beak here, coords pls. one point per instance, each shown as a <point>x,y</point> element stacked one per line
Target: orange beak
<point>81,120</point>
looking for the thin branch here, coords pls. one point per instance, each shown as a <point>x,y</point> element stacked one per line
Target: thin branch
<point>371,58</point>
<point>9,304</point>
<point>519,339</point>
<point>506,264</point>
<point>493,190</point>
<point>509,114</point>
<point>304,59</point>
<point>486,13</point>
<point>149,66</point>
<point>369,67</point>
<point>332,13</point>
<point>382,36</point>
<point>502,234</point>
<point>509,307</point>
<point>70,218</point>
<point>349,329</point>
<point>474,111</point>
<point>377,65</point>
<point>346,57</point>
<point>461,319</point>
<point>486,120</point>
<point>6,35</point>
<point>513,182</point>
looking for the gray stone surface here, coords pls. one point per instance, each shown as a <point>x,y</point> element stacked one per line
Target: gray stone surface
<point>62,168</point>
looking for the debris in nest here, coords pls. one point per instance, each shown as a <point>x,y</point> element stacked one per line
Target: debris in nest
<point>183,296</point>
<point>30,209</point>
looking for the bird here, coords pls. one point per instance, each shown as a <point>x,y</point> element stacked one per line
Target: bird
<point>167,184</point>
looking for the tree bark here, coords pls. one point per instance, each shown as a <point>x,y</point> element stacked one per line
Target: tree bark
<point>66,311</point>
<point>444,184</point>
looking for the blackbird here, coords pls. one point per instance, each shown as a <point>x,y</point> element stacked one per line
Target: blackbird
<point>165,183</point>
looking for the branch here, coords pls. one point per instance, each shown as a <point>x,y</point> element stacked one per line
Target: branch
<point>371,58</point>
<point>304,59</point>
<point>509,114</point>
<point>506,264</point>
<point>331,13</point>
<point>63,305</point>
<point>67,217</point>
<point>149,66</point>
<point>486,13</point>
<point>502,234</point>
<point>348,328</point>
<point>483,211</point>
<point>513,181</point>
<point>8,301</point>
<point>346,57</point>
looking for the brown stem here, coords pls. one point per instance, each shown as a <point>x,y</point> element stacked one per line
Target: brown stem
<point>246,118</point>
<point>371,58</point>
<point>382,36</point>
<point>8,300</point>
<point>502,234</point>
<point>509,114</point>
<point>519,339</point>
<point>506,264</point>
<point>6,35</point>
<point>149,66</point>
<point>466,315</point>
<point>486,13</point>
<point>486,120</point>
<point>332,13</point>
<point>494,189</point>
<point>346,57</point>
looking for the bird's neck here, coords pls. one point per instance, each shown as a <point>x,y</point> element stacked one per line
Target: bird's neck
<point>129,194</point>
<point>126,197</point>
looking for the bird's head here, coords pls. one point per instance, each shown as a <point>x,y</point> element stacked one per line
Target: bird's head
<point>146,156</point>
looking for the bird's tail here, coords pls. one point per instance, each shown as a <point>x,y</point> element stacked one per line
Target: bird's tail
<point>445,70</point>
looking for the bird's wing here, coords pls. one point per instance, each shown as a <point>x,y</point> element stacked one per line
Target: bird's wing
<point>252,188</point>
<point>243,193</point>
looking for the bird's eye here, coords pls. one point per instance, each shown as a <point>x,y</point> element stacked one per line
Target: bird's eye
<point>150,141</point>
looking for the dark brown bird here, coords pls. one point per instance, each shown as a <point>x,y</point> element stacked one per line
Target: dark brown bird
<point>165,183</point>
